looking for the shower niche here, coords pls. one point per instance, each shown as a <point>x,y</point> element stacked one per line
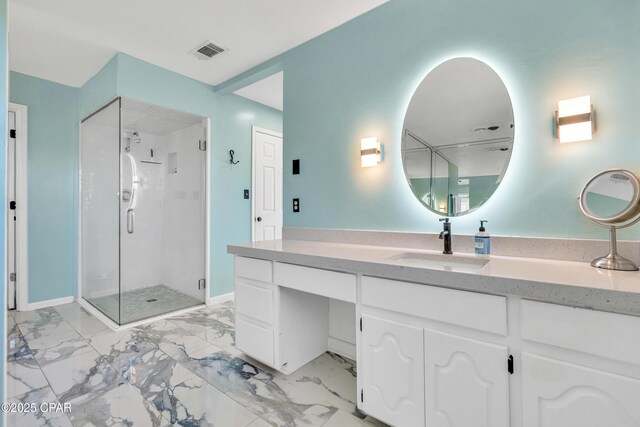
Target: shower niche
<point>142,218</point>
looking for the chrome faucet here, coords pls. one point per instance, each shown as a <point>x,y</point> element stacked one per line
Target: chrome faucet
<point>445,235</point>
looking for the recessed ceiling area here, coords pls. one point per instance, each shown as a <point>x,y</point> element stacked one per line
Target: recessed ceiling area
<point>142,117</point>
<point>145,118</point>
<point>69,41</point>
<point>267,91</point>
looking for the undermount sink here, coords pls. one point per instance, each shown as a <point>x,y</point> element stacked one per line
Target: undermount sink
<point>440,260</point>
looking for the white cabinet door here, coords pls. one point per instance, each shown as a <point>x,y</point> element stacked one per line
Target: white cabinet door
<point>466,382</point>
<point>392,372</point>
<point>559,394</point>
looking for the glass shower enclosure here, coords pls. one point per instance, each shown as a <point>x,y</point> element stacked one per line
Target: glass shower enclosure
<point>143,210</point>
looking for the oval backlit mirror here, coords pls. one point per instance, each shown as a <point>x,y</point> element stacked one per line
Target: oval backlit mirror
<point>457,136</point>
<point>612,199</point>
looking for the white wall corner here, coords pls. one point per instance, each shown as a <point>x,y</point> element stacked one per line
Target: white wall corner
<point>342,348</point>
<point>219,299</point>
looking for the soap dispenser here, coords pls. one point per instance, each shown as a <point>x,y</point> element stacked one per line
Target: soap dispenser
<point>482,240</point>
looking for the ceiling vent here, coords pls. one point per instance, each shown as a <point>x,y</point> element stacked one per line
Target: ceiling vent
<point>207,50</point>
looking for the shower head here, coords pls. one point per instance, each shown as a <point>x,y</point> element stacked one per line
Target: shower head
<point>136,138</point>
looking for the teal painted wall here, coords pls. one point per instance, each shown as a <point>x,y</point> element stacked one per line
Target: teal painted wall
<point>602,205</point>
<point>54,113</point>
<point>481,188</point>
<point>99,89</point>
<point>357,80</point>
<point>231,119</point>
<point>4,71</point>
<point>53,184</point>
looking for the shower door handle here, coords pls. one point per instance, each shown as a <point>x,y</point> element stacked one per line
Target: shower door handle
<point>130,219</point>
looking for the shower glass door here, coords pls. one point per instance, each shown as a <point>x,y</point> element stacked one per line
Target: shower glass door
<point>99,209</point>
<point>143,210</point>
<point>162,237</point>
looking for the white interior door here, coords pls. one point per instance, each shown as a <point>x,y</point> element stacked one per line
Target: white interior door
<point>267,185</point>
<point>11,213</point>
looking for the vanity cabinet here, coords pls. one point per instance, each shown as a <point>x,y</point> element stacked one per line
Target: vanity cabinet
<point>560,394</point>
<point>391,369</point>
<point>466,381</point>
<point>282,310</point>
<point>255,301</point>
<point>425,358</point>
<point>579,367</point>
<point>440,357</point>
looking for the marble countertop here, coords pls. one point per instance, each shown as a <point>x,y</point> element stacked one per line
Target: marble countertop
<point>563,282</point>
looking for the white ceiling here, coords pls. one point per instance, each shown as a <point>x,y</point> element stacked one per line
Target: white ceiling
<point>267,91</point>
<point>68,41</point>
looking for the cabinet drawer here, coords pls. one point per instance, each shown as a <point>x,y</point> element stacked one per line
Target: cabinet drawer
<point>615,336</point>
<point>254,301</point>
<point>255,341</point>
<point>251,268</point>
<point>331,284</point>
<point>472,310</point>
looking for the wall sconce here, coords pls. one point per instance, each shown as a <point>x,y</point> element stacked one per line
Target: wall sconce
<point>575,120</point>
<point>370,152</point>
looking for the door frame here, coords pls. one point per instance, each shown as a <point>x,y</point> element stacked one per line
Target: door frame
<point>254,131</point>
<point>22,206</point>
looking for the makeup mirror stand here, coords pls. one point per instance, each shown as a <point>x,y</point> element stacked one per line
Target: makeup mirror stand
<point>614,261</point>
<point>620,188</point>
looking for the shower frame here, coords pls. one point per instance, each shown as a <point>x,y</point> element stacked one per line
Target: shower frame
<point>208,300</point>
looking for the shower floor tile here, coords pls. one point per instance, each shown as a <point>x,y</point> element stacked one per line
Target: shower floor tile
<point>144,303</point>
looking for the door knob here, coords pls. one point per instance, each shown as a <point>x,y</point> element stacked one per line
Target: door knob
<point>259,219</point>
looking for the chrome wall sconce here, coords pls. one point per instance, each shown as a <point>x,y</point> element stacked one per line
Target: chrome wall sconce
<point>575,120</point>
<point>370,152</point>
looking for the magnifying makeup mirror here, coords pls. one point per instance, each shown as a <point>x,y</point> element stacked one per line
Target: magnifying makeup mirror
<point>612,199</point>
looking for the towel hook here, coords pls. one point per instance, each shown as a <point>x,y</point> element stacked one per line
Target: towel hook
<point>231,154</point>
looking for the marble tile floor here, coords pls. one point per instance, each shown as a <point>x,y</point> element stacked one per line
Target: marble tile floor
<point>182,371</point>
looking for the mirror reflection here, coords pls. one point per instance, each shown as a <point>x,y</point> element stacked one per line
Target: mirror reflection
<point>457,137</point>
<point>609,194</point>
<point>612,199</point>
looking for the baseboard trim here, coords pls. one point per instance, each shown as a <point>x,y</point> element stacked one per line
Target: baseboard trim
<point>219,299</point>
<point>343,348</point>
<point>49,303</point>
